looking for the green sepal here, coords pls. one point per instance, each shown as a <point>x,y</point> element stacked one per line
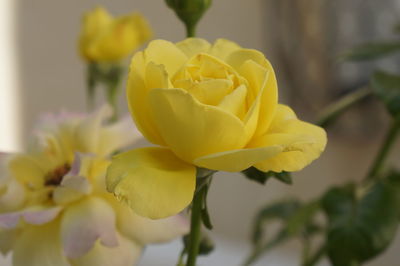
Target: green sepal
<point>258,176</point>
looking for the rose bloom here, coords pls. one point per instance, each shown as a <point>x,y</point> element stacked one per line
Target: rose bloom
<point>212,106</point>
<point>54,207</point>
<point>107,39</point>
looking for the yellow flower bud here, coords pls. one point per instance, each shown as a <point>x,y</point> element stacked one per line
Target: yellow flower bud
<point>107,39</point>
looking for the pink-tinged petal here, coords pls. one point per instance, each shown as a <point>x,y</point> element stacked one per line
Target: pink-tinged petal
<point>35,217</point>
<point>127,253</point>
<point>147,231</point>
<point>41,216</point>
<point>86,222</point>
<point>9,220</point>
<point>39,246</point>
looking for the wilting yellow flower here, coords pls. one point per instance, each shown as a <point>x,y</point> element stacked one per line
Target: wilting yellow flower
<point>54,207</point>
<point>210,106</point>
<point>107,39</point>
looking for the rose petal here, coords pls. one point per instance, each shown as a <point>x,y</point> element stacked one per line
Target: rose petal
<point>192,129</point>
<point>126,253</point>
<point>85,222</point>
<point>39,246</point>
<point>152,181</point>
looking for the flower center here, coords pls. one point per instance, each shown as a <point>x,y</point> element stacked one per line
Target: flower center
<point>55,177</point>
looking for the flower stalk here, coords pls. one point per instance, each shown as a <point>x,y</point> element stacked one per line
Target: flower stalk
<point>195,227</point>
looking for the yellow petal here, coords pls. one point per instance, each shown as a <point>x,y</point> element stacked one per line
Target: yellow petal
<point>152,181</point>
<point>235,102</point>
<point>240,61</point>
<point>222,48</point>
<point>237,160</point>
<point>193,46</point>
<point>27,170</point>
<point>165,53</point>
<point>302,143</point>
<point>127,253</point>
<point>192,129</point>
<point>146,231</point>
<point>210,91</point>
<point>86,222</point>
<point>39,246</point>
<point>7,239</point>
<point>137,96</point>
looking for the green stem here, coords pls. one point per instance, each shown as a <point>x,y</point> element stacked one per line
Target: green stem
<point>112,98</point>
<point>335,109</point>
<point>387,144</point>
<point>190,30</point>
<point>316,257</point>
<point>195,227</point>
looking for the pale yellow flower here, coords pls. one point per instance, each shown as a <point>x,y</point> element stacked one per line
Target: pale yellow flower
<point>54,207</point>
<point>107,39</point>
<point>212,106</point>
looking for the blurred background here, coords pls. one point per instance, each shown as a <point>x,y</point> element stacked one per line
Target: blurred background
<point>42,72</point>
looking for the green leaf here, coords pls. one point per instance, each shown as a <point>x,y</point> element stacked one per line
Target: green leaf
<point>281,210</point>
<point>206,244</point>
<point>205,216</point>
<point>387,87</point>
<point>302,217</point>
<point>258,176</point>
<point>370,51</point>
<point>360,228</point>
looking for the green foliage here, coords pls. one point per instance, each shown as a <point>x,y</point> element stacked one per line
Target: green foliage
<point>387,87</point>
<point>361,226</point>
<point>297,221</point>
<point>258,176</point>
<point>371,51</point>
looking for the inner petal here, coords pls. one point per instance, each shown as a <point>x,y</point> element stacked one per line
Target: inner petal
<point>211,91</point>
<point>235,102</point>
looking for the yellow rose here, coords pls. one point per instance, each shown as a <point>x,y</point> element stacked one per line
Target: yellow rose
<point>209,106</point>
<point>107,39</point>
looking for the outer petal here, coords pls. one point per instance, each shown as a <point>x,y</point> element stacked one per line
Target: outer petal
<point>125,254</point>
<point>88,132</point>
<point>269,100</point>
<point>31,216</point>
<point>193,46</point>
<point>13,196</point>
<point>222,48</point>
<point>118,136</point>
<point>137,95</point>
<point>27,171</point>
<point>7,240</point>
<point>39,246</point>
<point>153,181</point>
<point>302,142</point>
<point>192,129</point>
<point>165,53</point>
<point>147,231</point>
<point>237,160</point>
<point>84,223</point>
